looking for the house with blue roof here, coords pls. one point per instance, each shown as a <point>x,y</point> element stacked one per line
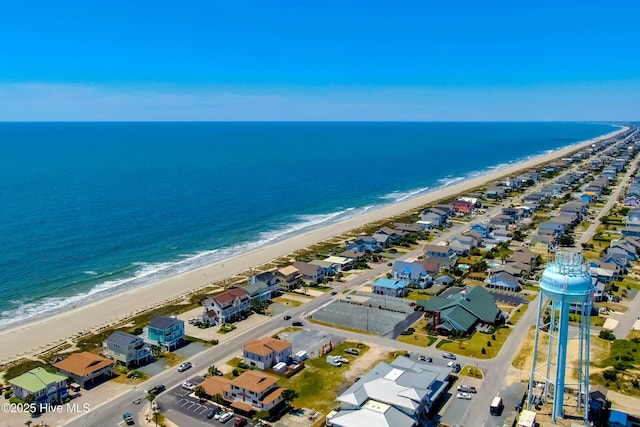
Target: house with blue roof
<point>364,244</point>
<point>482,229</point>
<point>504,280</point>
<point>414,272</point>
<point>617,419</point>
<point>390,287</point>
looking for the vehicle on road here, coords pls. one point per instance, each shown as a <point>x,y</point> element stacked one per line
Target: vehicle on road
<point>137,401</point>
<point>297,323</point>
<point>188,385</point>
<point>454,366</point>
<point>240,422</point>
<point>496,406</point>
<point>353,351</point>
<point>333,292</point>
<point>128,418</point>
<point>449,356</point>
<point>184,366</point>
<point>425,359</point>
<point>157,389</point>
<point>466,396</point>
<point>467,389</point>
<point>225,417</point>
<point>287,317</point>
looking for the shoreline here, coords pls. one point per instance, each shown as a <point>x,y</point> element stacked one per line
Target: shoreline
<point>35,336</point>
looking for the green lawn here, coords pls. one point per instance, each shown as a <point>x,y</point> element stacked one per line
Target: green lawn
<point>318,383</point>
<point>518,314</point>
<point>473,346</point>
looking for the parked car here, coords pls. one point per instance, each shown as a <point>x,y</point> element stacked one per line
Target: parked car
<point>128,418</point>
<point>188,385</point>
<point>449,356</point>
<point>287,317</point>
<point>425,359</point>
<point>454,366</point>
<point>157,389</point>
<point>297,323</point>
<point>154,406</point>
<point>341,359</point>
<point>219,414</point>
<point>225,417</point>
<point>353,351</point>
<point>466,389</point>
<point>466,396</point>
<point>184,366</point>
<point>240,422</point>
<point>212,412</point>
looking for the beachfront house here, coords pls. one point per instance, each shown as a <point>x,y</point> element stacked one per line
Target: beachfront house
<point>129,350</point>
<point>44,386</point>
<point>329,269</point>
<point>495,192</point>
<point>438,251</point>
<point>340,263</point>
<point>228,306</point>
<point>310,273</point>
<point>289,277</point>
<point>86,369</point>
<point>164,331</point>
<point>390,287</point>
<point>263,286</point>
<point>266,352</point>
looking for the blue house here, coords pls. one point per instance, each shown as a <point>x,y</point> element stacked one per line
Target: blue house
<point>617,419</point>
<point>481,229</point>
<point>165,331</point>
<point>415,272</point>
<point>390,287</point>
<point>365,244</point>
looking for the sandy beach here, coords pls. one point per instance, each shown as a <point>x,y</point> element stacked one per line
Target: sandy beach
<point>34,337</point>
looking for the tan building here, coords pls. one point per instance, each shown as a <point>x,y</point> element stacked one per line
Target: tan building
<point>254,391</point>
<point>86,369</point>
<point>266,352</point>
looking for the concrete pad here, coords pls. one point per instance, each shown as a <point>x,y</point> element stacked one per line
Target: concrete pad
<point>636,325</point>
<point>610,324</point>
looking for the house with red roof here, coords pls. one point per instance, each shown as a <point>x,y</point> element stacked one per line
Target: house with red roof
<point>228,306</point>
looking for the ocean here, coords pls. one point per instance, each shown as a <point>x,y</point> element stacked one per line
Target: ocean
<point>87,209</point>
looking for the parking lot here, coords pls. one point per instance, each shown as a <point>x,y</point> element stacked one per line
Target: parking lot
<point>182,401</point>
<point>360,317</point>
<point>508,298</point>
<point>310,340</point>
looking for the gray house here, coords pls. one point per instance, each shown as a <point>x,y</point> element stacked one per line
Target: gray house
<point>130,350</point>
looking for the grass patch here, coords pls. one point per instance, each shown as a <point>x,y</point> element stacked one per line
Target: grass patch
<point>415,295</point>
<point>473,347</point>
<point>21,366</point>
<point>287,301</point>
<point>443,342</point>
<point>471,371</point>
<point>318,383</point>
<point>515,317</point>
<point>172,359</point>
<point>224,329</point>
<point>129,376</point>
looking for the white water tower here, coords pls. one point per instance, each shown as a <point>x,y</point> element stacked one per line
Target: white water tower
<point>566,288</point>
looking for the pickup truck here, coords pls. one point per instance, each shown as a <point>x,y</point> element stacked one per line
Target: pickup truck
<point>466,389</point>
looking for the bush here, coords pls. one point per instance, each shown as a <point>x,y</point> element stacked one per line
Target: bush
<point>607,335</point>
<point>235,372</point>
<point>484,350</point>
<point>8,394</point>
<point>243,365</point>
<point>609,375</point>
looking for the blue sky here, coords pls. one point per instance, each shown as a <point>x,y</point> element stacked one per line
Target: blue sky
<point>303,60</point>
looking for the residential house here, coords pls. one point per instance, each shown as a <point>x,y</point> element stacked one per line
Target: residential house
<point>310,273</point>
<point>266,352</point>
<point>475,201</point>
<point>513,182</point>
<point>407,228</point>
<point>524,256</point>
<point>329,269</point>
<point>495,192</point>
<point>557,229</point>
<point>254,391</point>
<point>430,267</point>
<point>444,280</point>
<point>365,244</point>
<point>631,231</point>
<point>262,291</point>
<point>482,229</point>
<point>462,311</point>
<point>44,386</point>
<point>623,247</point>
<point>500,221</point>
<point>535,198</point>
<point>504,280</point>
<point>354,255</point>
<point>398,394</point>
<point>390,287</point>
<point>445,263</point>
<point>340,263</point>
<point>543,244</point>
<point>462,244</point>
<point>434,216</point>
<point>130,350</point>
<point>227,306</point>
<point>438,251</point>
<point>463,206</point>
<point>414,272</point>
<point>164,331</point>
<point>633,217</point>
<point>394,235</point>
<point>576,207</point>
<point>382,240</point>
<point>85,369</point>
<point>289,277</point>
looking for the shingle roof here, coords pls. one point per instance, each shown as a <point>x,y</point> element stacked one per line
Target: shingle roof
<point>265,346</point>
<point>36,379</point>
<point>254,381</point>
<point>121,338</point>
<point>164,322</point>
<point>83,364</point>
<point>230,295</point>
